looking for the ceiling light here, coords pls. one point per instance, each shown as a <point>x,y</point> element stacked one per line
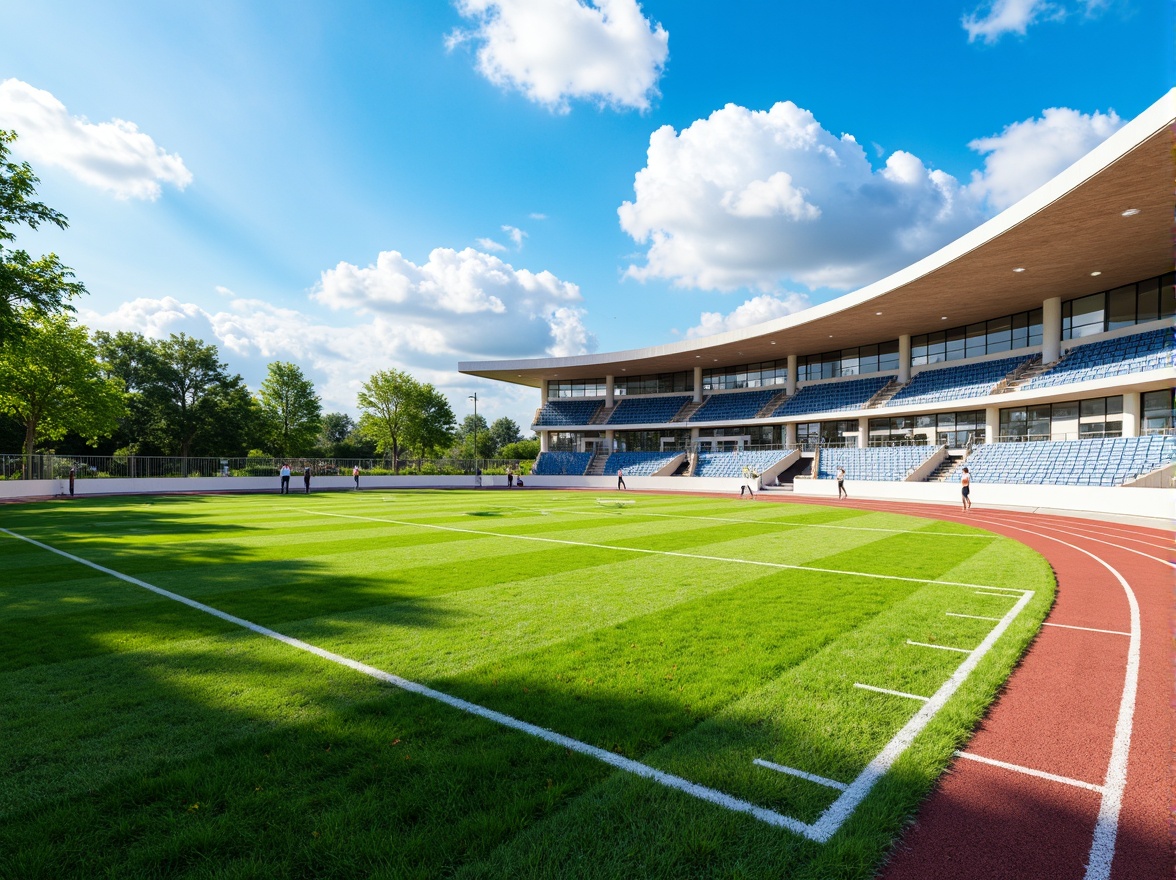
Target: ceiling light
<point>1130,212</point>
<point>773,342</point>
<point>943,318</point>
<point>830,335</point>
<point>1019,269</point>
<point>1093,274</point>
<point>877,313</point>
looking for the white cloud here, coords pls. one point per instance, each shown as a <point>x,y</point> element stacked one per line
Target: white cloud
<point>754,311</point>
<point>1005,17</point>
<point>516,235</point>
<point>489,244</point>
<point>752,198</point>
<point>557,50</point>
<point>113,156</point>
<point>535,215</point>
<point>1027,154</point>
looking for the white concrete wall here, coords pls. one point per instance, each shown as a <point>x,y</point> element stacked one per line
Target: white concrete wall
<point>1117,500</point>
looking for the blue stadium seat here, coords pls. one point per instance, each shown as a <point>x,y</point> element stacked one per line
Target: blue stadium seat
<point>638,464</point>
<point>832,396</point>
<point>647,410</point>
<point>1123,356</point>
<point>733,406</point>
<point>568,413</point>
<point>560,464</point>
<point>731,464</point>
<point>955,383</point>
<point>1109,461</point>
<point>875,463</point>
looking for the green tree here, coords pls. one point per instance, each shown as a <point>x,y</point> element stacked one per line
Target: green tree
<point>432,430</point>
<point>464,445</point>
<point>522,450</point>
<point>334,429</point>
<point>30,287</point>
<point>291,413</point>
<point>52,384</point>
<point>398,413</point>
<point>503,431</point>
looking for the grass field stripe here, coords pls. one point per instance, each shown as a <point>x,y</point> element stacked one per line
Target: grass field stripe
<point>842,808</point>
<point>940,647</point>
<point>811,777</point>
<point>971,616</point>
<point>870,687</point>
<point>728,559</point>
<point>777,522</point>
<point>1089,629</point>
<point>618,761</point>
<point>1028,771</point>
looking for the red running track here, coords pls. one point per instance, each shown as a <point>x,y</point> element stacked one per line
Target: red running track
<point>1104,805</point>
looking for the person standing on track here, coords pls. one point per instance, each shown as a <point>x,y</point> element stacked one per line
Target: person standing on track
<point>355,475</point>
<point>841,493</point>
<point>621,479</point>
<point>966,489</point>
<point>285,487</point>
<point>749,478</point>
<point>306,478</point>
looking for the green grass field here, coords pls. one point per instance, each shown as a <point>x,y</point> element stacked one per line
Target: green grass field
<point>141,737</point>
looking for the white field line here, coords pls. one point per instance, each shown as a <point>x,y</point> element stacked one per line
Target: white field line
<point>870,687</point>
<point>1090,629</point>
<point>842,808</point>
<point>639,550</point>
<point>1106,829</point>
<point>988,593</point>
<point>971,616</point>
<point>811,777</point>
<point>1084,537</point>
<point>1028,771</point>
<point>1104,529</point>
<point>621,763</point>
<point>940,647</point>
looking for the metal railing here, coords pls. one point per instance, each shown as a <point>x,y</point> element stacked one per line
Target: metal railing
<point>58,467</point>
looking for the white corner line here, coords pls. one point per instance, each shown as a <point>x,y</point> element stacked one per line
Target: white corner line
<point>1040,774</point>
<point>940,647</point>
<point>620,762</point>
<point>811,777</point>
<point>870,687</point>
<point>1110,632</point>
<point>971,616</point>
<point>988,593</point>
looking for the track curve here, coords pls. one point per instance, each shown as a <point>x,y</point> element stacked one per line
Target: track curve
<point>1069,775</point>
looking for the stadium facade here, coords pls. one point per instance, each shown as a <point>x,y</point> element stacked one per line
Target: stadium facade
<point>1051,322</point>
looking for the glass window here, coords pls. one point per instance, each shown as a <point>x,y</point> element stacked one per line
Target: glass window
<point>1020,330</point>
<point>1159,411</point>
<point>1035,319</point>
<point>1096,407</point>
<point>954,348</point>
<point>888,356</point>
<point>1000,335</point>
<point>1168,295</point>
<point>1147,301</point>
<point>975,341</point>
<point>1114,405</point>
<point>1121,307</point>
<point>1087,316</point>
<point>1065,411</point>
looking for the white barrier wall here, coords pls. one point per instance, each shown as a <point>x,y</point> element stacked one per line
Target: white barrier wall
<point>1117,500</point>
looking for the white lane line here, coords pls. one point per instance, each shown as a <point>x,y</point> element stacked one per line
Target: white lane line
<point>1085,537</point>
<point>1105,529</point>
<point>727,559</point>
<point>970,616</point>
<point>1106,829</point>
<point>989,593</point>
<point>1113,632</point>
<point>940,647</point>
<point>842,808</point>
<point>811,777</point>
<point>677,783</point>
<point>870,687</point>
<point>1028,771</point>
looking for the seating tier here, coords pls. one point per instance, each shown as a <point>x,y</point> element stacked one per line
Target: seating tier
<point>733,406</point>
<point>647,410</point>
<point>875,463</point>
<point>731,464</point>
<point>638,464</point>
<point>567,413</point>
<point>955,383</point>
<point>1109,461</point>
<point>1122,356</point>
<point>832,396</point>
<point>560,464</point>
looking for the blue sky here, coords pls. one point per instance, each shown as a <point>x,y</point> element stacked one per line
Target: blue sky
<point>411,184</point>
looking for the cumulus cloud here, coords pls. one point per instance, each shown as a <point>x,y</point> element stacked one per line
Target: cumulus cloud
<point>1027,154</point>
<point>749,198</point>
<point>554,51</point>
<point>112,156</point>
<point>754,311</point>
<point>993,20</point>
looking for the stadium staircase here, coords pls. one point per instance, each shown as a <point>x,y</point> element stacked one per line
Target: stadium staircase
<point>768,408</point>
<point>803,467</point>
<point>888,391</point>
<point>946,468</point>
<point>596,465</point>
<point>687,411</point>
<point>602,415</point>
<point>1031,369</point>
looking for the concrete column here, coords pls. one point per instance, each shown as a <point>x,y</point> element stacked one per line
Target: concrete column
<point>790,433</point>
<point>904,358</point>
<point>698,384</point>
<point>694,436</point>
<point>863,432</point>
<point>608,391</point>
<point>790,387</point>
<point>991,424</point>
<point>608,440</point>
<point>1051,330</point>
<point>543,441</point>
<point>1131,413</point>
<point>543,393</point>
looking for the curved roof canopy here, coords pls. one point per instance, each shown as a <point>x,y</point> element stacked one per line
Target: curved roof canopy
<point>1059,234</point>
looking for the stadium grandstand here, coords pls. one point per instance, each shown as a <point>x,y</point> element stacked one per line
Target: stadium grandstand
<point>1036,350</point>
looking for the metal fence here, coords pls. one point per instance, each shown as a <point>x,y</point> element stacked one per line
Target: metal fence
<point>58,467</point>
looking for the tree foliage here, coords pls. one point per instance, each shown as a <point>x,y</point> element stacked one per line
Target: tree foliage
<point>51,382</point>
<point>30,287</point>
<point>503,431</point>
<point>291,412</point>
<point>400,414</point>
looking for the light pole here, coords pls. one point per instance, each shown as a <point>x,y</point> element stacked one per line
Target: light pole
<point>474,398</point>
